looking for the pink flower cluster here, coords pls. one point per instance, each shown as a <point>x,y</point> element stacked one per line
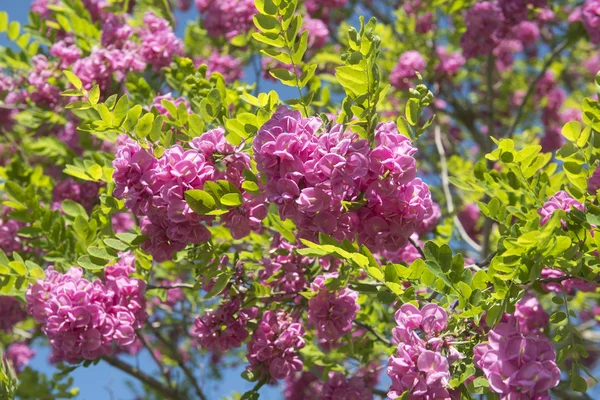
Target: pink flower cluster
<point>273,348</point>
<point>338,387</point>
<point>567,285</point>
<point>311,176</point>
<point>449,62</point>
<point>331,311</point>
<point>83,319</point>
<point>230,67</point>
<point>530,315</point>
<point>517,365</point>
<point>318,33</point>
<point>154,189</point>
<point>44,92</point>
<point>590,14</point>
<point>403,72</point>
<point>159,42</point>
<point>9,239</point>
<point>84,193</point>
<point>483,21</point>
<point>223,328</point>
<point>560,201</point>
<point>301,386</point>
<point>227,18</point>
<point>284,270</point>
<point>594,182</point>
<point>418,366</point>
<point>11,312</point>
<point>19,354</point>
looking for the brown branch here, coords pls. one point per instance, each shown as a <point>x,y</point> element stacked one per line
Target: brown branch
<point>555,53</point>
<point>373,331</point>
<point>416,246</point>
<point>188,373</point>
<point>142,376</point>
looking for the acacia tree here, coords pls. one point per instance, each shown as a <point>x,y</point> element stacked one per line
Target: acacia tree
<point>423,205</point>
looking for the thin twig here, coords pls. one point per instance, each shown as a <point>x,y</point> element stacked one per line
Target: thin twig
<point>416,246</point>
<point>173,286</point>
<point>188,373</point>
<point>446,186</point>
<point>163,369</point>
<point>555,53</point>
<point>373,331</point>
<point>142,376</point>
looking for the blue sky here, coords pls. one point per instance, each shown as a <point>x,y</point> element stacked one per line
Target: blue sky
<point>97,382</point>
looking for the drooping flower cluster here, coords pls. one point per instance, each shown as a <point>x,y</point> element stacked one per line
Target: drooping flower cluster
<point>403,72</point>
<point>230,67</point>
<point>11,312</point>
<point>19,354</point>
<point>159,42</point>
<point>560,201</point>
<point>84,193</point>
<point>284,270</point>
<point>566,285</point>
<point>590,14</point>
<point>332,311</point>
<point>517,365</point>
<point>301,386</point>
<point>84,318</point>
<point>418,366</point>
<point>9,238</point>
<point>338,387</point>
<point>449,62</point>
<point>154,189</point>
<point>273,348</point>
<point>310,177</point>
<point>223,328</point>
<point>530,315</point>
<point>318,33</point>
<point>483,22</point>
<point>227,18</point>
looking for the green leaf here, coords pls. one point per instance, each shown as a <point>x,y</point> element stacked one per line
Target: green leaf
<point>284,75</point>
<point>73,209</point>
<point>218,286</point>
<point>232,200</point>
<point>100,252</point>
<point>200,201</point>
<point>571,130</point>
<point>267,23</point>
<point>14,29</point>
<point>412,111</point>
<point>75,81</point>
<point>115,244</point>
<point>85,262</point>
<point>3,21</point>
<point>144,125</point>
<point>353,79</point>
<point>18,267</point>
<point>121,109</point>
<point>94,95</point>
<point>578,384</point>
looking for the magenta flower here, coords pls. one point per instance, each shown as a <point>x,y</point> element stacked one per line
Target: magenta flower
<point>404,72</point>
<point>483,21</point>
<point>223,328</point>
<point>332,312</point>
<point>159,42</point>
<point>590,15</point>
<point>530,315</point>
<point>560,201</point>
<point>516,364</point>
<point>227,18</point>
<point>338,387</point>
<point>19,354</point>
<point>83,318</point>
<point>273,348</point>
<point>11,312</point>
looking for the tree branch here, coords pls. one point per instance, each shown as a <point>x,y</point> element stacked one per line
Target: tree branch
<point>173,286</point>
<point>190,376</point>
<point>555,53</point>
<point>446,185</point>
<point>373,331</point>
<point>416,246</point>
<point>143,377</point>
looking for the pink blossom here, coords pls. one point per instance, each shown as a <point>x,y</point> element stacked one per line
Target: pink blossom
<point>560,201</point>
<point>403,72</point>
<point>332,311</point>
